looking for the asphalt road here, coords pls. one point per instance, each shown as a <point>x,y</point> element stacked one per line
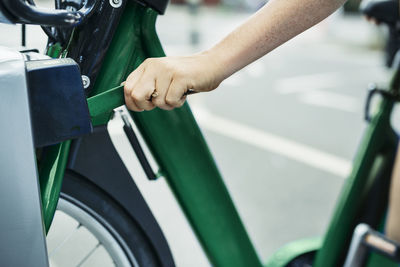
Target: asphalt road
<point>283,130</point>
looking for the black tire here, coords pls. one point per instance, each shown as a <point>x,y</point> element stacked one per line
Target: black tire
<point>87,196</point>
<point>304,260</point>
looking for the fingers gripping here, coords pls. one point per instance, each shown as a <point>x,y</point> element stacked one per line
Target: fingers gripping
<point>138,88</point>
<point>162,85</point>
<point>155,74</point>
<point>141,93</point>
<point>176,93</point>
<point>129,84</point>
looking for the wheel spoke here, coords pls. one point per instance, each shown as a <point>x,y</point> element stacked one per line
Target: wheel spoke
<point>87,242</point>
<point>64,241</point>
<point>88,255</point>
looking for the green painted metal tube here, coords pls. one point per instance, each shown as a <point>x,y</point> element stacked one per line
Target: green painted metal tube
<point>180,149</point>
<point>193,176</point>
<point>51,174</point>
<point>379,141</point>
<point>105,102</point>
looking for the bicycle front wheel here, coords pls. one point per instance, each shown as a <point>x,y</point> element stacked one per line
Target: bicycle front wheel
<point>91,229</point>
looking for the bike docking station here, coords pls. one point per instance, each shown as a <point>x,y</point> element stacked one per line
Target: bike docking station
<point>42,103</point>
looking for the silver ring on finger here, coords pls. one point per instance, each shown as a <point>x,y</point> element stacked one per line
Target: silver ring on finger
<point>154,94</point>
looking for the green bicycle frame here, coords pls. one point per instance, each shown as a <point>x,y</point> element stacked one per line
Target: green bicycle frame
<point>173,138</point>
<point>374,159</point>
<point>186,163</point>
<point>376,155</point>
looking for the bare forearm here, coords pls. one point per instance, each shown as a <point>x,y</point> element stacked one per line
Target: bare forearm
<point>172,77</point>
<point>274,24</point>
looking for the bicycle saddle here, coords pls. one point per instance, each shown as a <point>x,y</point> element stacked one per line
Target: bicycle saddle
<point>383,11</point>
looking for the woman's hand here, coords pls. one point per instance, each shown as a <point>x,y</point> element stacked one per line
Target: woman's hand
<point>163,82</point>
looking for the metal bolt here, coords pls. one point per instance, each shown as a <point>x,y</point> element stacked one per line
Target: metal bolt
<point>85,81</point>
<point>116,3</point>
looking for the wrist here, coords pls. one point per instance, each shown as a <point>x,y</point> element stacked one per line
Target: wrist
<point>214,65</point>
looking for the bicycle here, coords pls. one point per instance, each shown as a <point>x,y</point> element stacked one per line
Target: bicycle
<point>124,35</point>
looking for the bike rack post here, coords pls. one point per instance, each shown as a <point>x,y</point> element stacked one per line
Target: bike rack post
<point>22,238</point>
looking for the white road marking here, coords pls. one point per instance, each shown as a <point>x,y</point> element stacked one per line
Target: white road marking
<point>305,83</point>
<point>331,100</point>
<point>273,143</point>
<point>311,89</point>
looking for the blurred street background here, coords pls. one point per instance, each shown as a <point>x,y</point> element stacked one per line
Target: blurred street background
<point>283,130</point>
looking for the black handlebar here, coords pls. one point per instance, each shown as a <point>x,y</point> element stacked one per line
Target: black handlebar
<point>29,14</point>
